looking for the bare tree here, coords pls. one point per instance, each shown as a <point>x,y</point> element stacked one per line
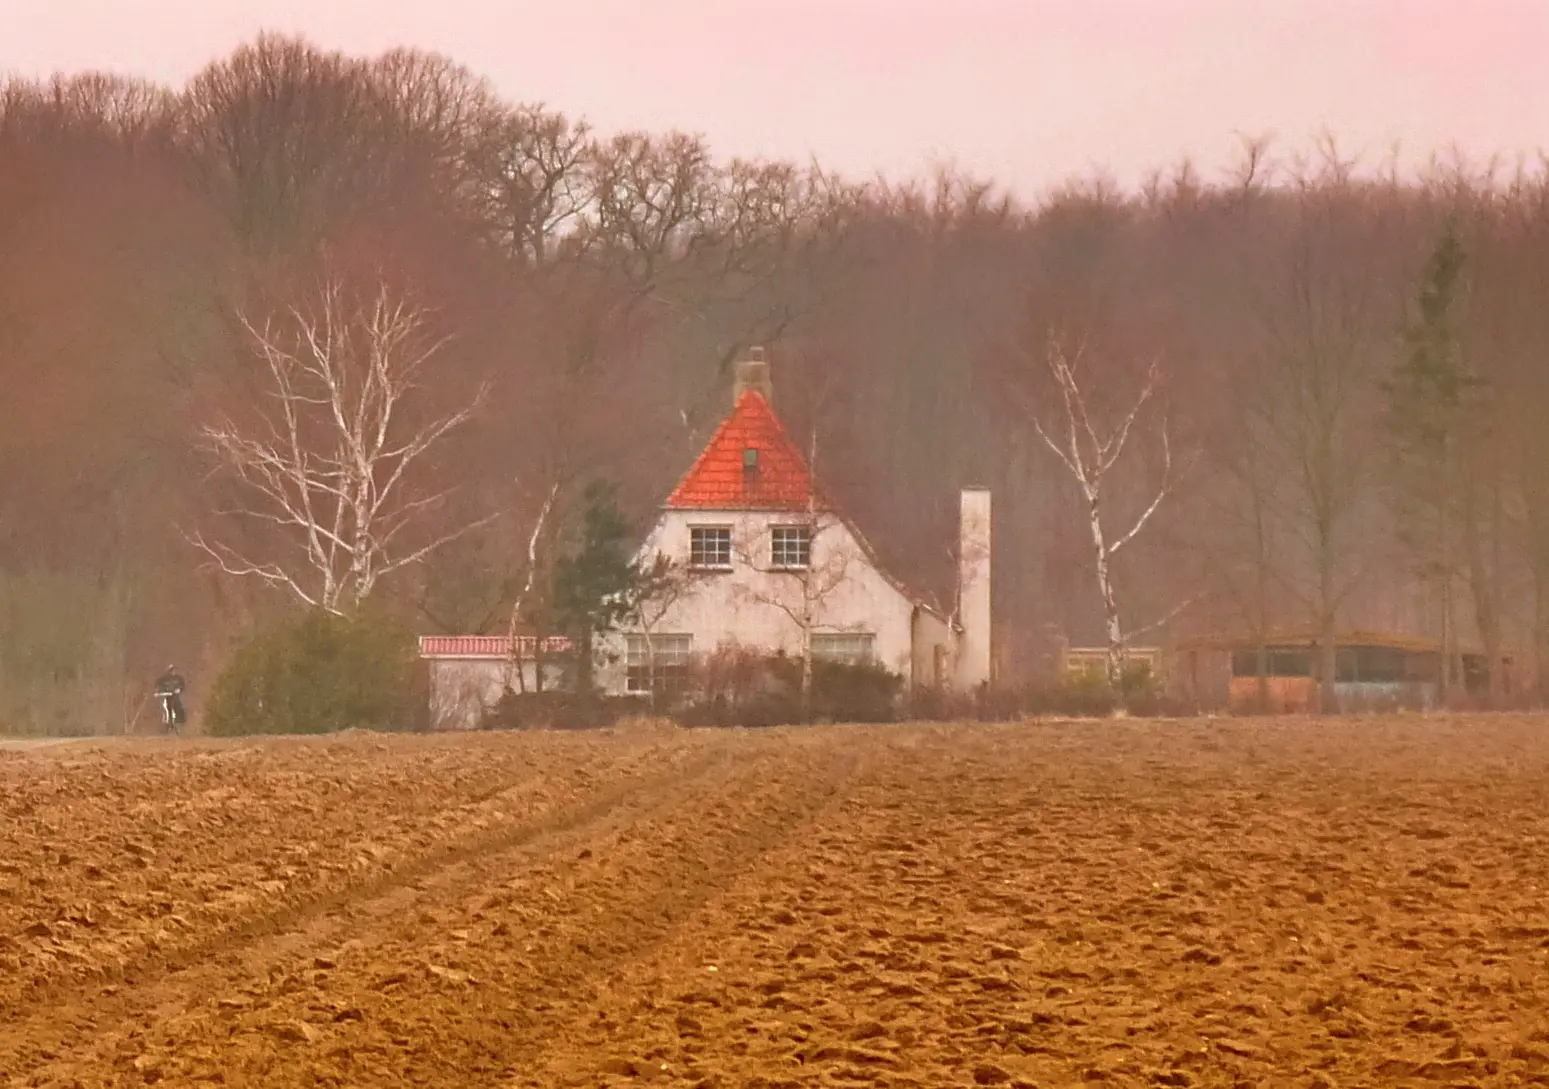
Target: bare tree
<point>528,192</point>
<point>1506,333</point>
<point>1239,529</point>
<point>814,560</point>
<point>1526,395</point>
<point>1320,318</point>
<point>133,111</point>
<point>432,100</point>
<point>658,588</point>
<point>519,606</point>
<point>653,195</point>
<point>278,134</point>
<point>330,467</point>
<point>1090,450</point>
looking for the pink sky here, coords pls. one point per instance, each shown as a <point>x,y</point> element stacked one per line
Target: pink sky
<point>1029,91</point>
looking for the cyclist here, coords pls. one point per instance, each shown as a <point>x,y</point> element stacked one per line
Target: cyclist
<point>169,690</point>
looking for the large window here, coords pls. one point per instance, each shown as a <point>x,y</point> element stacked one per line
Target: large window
<point>1283,662</point>
<point>1366,665</point>
<point>1384,665</point>
<point>709,548</point>
<point>790,547</point>
<point>666,656</point>
<point>848,647</point>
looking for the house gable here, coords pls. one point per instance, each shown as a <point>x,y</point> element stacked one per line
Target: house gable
<point>725,476</point>
<point>779,482</point>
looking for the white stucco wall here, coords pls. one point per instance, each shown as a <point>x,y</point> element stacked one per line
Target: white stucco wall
<point>742,606</point>
<point>935,650</point>
<point>461,688</point>
<point>974,652</point>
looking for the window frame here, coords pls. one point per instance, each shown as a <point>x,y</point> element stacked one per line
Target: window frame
<point>673,653</point>
<point>723,534</point>
<point>803,538</point>
<point>1281,661</point>
<point>866,656</point>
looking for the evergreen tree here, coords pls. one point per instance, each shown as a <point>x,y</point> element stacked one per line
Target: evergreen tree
<point>1432,408</point>
<point>596,584</point>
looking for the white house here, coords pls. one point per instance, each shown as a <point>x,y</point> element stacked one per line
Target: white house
<point>768,562</point>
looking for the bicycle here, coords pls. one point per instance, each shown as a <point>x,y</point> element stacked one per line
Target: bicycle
<point>169,693</point>
<point>173,716</point>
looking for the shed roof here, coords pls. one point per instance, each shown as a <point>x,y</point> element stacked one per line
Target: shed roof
<point>487,646</point>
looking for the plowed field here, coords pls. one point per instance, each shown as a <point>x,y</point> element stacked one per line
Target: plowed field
<point>1189,904</point>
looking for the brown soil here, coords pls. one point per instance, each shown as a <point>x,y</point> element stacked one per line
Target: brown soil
<point>1186,904</point>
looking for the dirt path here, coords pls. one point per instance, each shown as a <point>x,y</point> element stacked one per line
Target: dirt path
<point>1128,905</point>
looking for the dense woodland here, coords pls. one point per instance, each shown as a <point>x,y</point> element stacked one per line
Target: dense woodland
<point>1354,362</point>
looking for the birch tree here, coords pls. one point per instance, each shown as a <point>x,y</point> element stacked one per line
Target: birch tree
<point>1090,450</point>
<point>801,590</point>
<point>519,606</point>
<point>814,560</point>
<point>329,463</point>
<point>659,586</point>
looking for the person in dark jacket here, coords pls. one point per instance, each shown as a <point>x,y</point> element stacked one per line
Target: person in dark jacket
<point>169,690</point>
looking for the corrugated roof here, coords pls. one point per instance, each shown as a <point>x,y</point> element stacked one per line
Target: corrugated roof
<point>487,646</point>
<point>1301,638</point>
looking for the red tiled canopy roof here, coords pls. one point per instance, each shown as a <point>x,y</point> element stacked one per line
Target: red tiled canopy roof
<point>488,646</point>
<point>718,480</point>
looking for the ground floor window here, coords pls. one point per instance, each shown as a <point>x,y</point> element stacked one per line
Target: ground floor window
<point>665,655</point>
<point>1282,662</point>
<point>849,647</point>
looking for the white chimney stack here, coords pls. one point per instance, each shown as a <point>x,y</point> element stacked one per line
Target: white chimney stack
<point>973,590</point>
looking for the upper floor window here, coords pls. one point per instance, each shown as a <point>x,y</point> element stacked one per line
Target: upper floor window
<point>709,547</point>
<point>790,546</point>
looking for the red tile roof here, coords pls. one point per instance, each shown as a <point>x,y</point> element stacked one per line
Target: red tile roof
<point>782,482</point>
<point>487,646</point>
<point>718,481</point>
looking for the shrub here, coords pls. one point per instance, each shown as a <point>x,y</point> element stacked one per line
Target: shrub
<point>1083,695</point>
<point>843,692</point>
<point>738,687</point>
<point>319,674</point>
<point>553,710</point>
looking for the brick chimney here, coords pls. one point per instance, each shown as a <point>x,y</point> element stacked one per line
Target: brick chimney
<point>753,374</point>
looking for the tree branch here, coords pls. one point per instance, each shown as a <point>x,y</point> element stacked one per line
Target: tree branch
<point>334,452</point>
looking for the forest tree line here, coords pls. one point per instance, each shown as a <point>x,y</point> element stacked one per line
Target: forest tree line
<point>1352,362</point>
